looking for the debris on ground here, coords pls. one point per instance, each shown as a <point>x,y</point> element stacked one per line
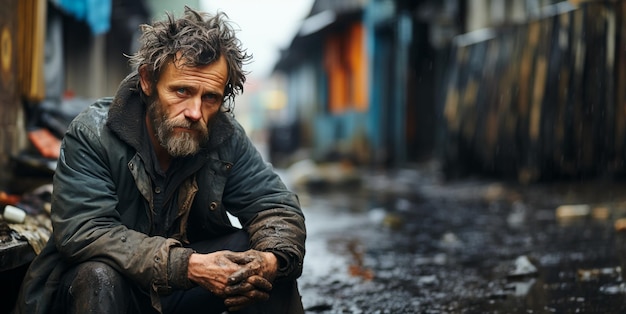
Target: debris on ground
<point>620,225</point>
<point>572,211</point>
<point>357,267</point>
<point>595,273</point>
<point>523,267</point>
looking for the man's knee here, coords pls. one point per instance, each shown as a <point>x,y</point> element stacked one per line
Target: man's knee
<point>92,287</point>
<point>97,277</point>
<point>97,282</point>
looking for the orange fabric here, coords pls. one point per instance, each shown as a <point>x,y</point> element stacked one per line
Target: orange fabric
<point>358,66</point>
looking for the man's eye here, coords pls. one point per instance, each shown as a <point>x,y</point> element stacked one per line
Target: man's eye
<point>181,91</point>
<point>211,98</point>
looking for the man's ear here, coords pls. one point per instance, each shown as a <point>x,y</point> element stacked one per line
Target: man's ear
<point>146,86</point>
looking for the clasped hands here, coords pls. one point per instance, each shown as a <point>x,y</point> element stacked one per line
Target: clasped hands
<point>241,278</point>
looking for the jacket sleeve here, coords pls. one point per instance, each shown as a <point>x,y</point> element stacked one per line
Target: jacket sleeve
<point>86,221</point>
<point>269,212</point>
<point>283,233</point>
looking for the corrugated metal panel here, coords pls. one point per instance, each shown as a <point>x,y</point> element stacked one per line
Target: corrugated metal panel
<point>538,100</point>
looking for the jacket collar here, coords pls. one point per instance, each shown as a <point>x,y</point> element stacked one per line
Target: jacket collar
<point>127,114</point>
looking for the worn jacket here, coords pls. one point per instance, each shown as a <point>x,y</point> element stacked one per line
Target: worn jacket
<point>102,205</point>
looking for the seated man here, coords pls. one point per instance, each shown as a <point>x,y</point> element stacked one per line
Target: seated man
<point>144,184</point>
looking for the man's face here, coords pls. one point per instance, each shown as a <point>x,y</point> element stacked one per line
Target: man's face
<point>186,99</point>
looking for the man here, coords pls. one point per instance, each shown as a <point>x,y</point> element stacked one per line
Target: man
<point>144,184</point>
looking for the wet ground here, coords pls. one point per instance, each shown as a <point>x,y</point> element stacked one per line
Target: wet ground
<point>408,242</point>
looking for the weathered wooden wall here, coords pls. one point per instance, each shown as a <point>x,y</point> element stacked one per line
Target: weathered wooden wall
<point>540,100</point>
<point>22,31</point>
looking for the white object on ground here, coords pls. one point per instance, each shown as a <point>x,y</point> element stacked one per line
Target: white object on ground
<point>13,214</point>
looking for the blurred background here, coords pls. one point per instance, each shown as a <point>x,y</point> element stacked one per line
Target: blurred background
<point>526,89</point>
<point>384,106</point>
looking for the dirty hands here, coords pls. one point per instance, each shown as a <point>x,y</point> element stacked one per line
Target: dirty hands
<point>253,281</point>
<point>241,278</point>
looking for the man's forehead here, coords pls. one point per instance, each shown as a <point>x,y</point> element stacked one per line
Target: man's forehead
<point>179,71</point>
<point>179,60</point>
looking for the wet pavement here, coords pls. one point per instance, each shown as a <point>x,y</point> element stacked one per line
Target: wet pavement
<point>408,242</point>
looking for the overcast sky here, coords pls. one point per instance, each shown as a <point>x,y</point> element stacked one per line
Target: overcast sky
<point>266,27</point>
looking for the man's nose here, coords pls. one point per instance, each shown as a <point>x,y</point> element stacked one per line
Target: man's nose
<point>194,109</point>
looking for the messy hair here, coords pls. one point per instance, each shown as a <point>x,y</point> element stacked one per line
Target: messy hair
<point>195,39</point>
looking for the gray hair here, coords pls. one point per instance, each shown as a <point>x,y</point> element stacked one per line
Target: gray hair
<point>200,39</point>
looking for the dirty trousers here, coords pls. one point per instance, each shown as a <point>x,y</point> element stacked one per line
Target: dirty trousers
<point>94,287</point>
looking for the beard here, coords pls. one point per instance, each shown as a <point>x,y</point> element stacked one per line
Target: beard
<point>177,144</point>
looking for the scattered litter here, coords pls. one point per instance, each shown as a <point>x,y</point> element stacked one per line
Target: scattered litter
<point>12,214</point>
<point>620,224</point>
<point>594,274</point>
<point>523,267</point>
<point>572,211</point>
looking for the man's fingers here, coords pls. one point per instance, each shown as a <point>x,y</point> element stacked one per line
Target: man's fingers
<point>255,289</point>
<point>257,295</point>
<point>260,283</point>
<point>238,289</point>
<point>242,274</point>
<point>242,258</point>
<point>252,283</point>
